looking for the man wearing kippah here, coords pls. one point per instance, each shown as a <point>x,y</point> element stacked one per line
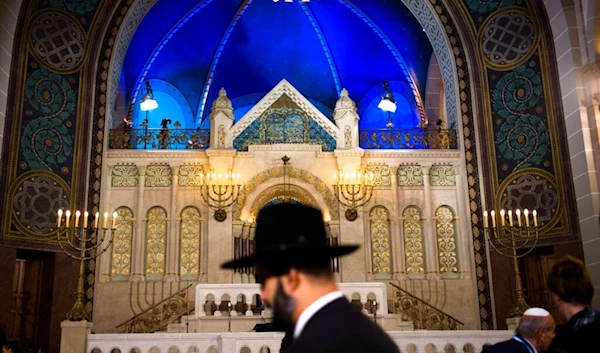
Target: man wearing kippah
<point>291,260</point>
<point>534,334</point>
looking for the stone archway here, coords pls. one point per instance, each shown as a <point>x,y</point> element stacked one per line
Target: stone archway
<point>268,184</point>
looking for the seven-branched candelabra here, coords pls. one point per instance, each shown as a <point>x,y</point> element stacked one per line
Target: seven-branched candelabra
<point>85,242</point>
<point>220,192</point>
<point>513,239</point>
<point>353,190</point>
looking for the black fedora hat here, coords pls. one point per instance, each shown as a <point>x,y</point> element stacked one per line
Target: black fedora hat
<point>290,233</point>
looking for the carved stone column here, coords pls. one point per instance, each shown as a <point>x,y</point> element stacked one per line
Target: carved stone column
<point>396,248</point>
<point>172,263</point>
<point>221,121</point>
<point>429,237</point>
<point>346,119</point>
<point>104,260</point>
<point>137,268</point>
<point>462,237</point>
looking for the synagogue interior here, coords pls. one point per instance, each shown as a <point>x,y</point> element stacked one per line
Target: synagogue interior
<point>457,142</point>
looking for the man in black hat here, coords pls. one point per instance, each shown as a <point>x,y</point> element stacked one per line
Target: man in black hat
<point>291,259</point>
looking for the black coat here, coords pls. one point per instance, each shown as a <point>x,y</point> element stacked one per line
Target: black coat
<point>510,346</point>
<point>338,327</point>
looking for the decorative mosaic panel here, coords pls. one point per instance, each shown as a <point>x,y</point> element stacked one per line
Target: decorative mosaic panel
<point>286,126</point>
<point>120,264</point>
<point>442,175</point>
<point>189,250</point>
<point>124,176</point>
<point>381,174</point>
<point>446,240</point>
<point>414,252</point>
<point>158,175</point>
<point>381,259</point>
<point>410,175</point>
<point>156,236</point>
<point>189,175</point>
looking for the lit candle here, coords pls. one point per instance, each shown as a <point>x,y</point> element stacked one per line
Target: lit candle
<point>535,222</point>
<point>85,219</point>
<point>341,178</point>
<point>502,221</point>
<point>526,216</point>
<point>105,224</point>
<point>518,213</point>
<point>485,219</point>
<point>68,214</point>
<point>77,215</point>
<point>115,215</point>
<point>510,219</point>
<point>60,213</point>
<point>493,215</point>
<point>96,220</point>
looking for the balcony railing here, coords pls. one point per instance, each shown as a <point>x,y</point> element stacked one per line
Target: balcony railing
<point>408,139</point>
<point>172,139</point>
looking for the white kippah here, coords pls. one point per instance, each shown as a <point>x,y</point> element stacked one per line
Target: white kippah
<point>536,312</point>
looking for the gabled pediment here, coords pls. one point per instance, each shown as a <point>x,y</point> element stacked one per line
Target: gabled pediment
<point>284,94</point>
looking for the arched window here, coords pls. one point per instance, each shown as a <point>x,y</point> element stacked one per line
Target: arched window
<point>189,248</point>
<point>445,226</point>
<point>413,242</point>
<point>156,237</point>
<point>381,259</point>
<point>120,264</point>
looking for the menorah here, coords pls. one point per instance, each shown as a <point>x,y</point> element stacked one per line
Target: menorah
<point>84,244</point>
<point>220,193</point>
<point>508,240</point>
<point>353,191</point>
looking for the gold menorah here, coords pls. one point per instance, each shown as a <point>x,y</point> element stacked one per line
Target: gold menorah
<point>353,190</point>
<point>508,239</point>
<point>83,245</point>
<point>220,192</point>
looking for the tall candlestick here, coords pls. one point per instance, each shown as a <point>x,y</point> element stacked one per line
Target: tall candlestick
<point>96,220</point>
<point>535,221</point>
<point>510,218</point>
<point>493,215</point>
<point>59,219</point>
<point>105,224</point>
<point>502,221</point>
<point>77,215</point>
<point>115,215</point>
<point>85,219</point>
<point>526,216</point>
<point>485,219</point>
<point>518,213</point>
<point>68,215</point>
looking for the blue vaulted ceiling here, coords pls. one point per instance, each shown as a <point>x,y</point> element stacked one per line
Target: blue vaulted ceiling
<point>247,46</point>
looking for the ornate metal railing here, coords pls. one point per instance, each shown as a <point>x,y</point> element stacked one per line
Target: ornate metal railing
<point>159,315</point>
<point>423,315</point>
<point>408,139</point>
<point>159,138</point>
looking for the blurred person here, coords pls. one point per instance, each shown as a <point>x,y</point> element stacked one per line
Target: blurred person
<point>534,334</point>
<point>572,293</point>
<point>291,258</point>
<point>11,347</point>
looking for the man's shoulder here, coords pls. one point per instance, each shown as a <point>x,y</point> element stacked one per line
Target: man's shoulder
<point>505,346</point>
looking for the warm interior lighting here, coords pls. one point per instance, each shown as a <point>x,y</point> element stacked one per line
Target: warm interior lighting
<point>387,103</point>
<point>148,102</point>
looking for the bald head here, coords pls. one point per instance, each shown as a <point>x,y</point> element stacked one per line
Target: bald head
<point>537,326</point>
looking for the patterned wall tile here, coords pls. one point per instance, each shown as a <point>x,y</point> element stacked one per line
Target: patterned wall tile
<point>189,175</point>
<point>410,175</point>
<point>125,176</point>
<point>442,175</point>
<point>381,174</point>
<point>158,175</point>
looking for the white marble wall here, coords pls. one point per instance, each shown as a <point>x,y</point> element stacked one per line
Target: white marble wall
<point>576,36</point>
<point>9,13</point>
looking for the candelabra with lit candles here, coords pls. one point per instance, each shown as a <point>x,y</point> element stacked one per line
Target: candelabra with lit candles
<point>513,236</point>
<point>220,192</point>
<point>83,241</point>
<point>353,190</point>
